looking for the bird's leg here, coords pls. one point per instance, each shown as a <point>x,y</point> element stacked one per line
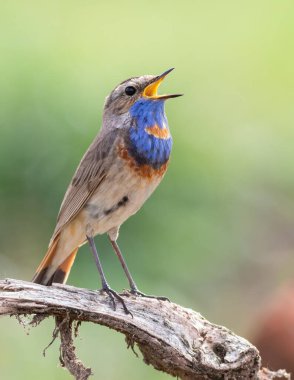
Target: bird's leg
<point>105,287</point>
<point>134,289</point>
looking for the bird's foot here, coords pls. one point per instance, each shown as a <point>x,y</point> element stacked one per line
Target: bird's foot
<point>114,295</point>
<point>137,292</point>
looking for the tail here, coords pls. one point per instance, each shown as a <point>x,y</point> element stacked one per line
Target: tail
<point>55,266</point>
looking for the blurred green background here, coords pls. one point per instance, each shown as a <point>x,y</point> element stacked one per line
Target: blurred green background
<point>217,235</point>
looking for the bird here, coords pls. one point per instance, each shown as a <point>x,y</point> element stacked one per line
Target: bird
<point>120,170</point>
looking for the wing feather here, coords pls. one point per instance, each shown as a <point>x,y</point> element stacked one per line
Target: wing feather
<point>90,173</point>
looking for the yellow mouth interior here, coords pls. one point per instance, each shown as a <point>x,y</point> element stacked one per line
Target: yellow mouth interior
<point>151,90</point>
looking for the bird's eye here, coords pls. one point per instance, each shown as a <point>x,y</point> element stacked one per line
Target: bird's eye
<point>130,90</point>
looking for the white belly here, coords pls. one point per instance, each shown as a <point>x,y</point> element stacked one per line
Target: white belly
<point>120,195</point>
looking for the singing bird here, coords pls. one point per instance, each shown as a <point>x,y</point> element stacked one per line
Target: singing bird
<point>119,171</point>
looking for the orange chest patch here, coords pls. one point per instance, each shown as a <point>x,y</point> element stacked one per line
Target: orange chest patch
<point>145,171</point>
<point>160,133</point>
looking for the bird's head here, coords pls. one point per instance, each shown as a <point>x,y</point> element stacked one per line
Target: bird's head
<point>132,90</point>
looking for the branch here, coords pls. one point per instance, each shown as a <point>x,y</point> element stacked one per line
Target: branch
<point>173,339</point>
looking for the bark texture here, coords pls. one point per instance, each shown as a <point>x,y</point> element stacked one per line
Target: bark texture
<point>173,339</point>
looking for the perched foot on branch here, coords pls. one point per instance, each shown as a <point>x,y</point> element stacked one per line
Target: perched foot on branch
<point>134,290</point>
<point>137,292</point>
<point>105,287</point>
<point>112,295</point>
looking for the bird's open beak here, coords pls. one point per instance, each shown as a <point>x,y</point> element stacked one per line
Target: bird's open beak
<point>150,90</point>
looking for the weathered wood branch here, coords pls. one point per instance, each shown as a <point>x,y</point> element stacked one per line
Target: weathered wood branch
<point>173,339</point>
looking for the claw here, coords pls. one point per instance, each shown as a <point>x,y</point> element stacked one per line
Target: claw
<point>136,292</point>
<point>113,294</point>
<point>111,297</point>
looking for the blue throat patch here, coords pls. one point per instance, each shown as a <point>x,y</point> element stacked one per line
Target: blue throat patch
<point>145,146</point>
